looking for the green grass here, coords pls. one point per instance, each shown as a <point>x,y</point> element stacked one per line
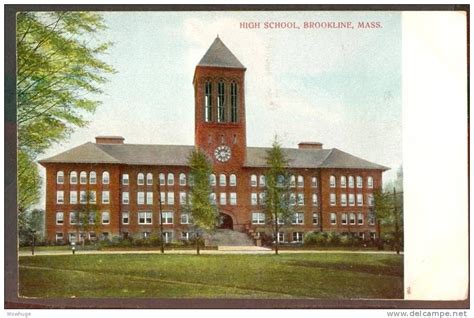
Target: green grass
<point>328,275</point>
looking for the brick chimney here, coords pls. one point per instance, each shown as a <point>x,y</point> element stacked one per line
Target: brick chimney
<point>310,145</point>
<point>109,140</point>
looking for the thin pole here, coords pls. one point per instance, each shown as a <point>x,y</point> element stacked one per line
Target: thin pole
<point>162,244</point>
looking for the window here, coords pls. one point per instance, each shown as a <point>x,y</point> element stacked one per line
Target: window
<point>83,177</point>
<point>332,199</point>
<point>105,197</point>
<point>258,218</point>
<point>362,235</point>
<point>351,182</point>
<point>125,198</point>
<point>344,199</point>
<point>170,179</point>
<point>223,198</point>
<point>300,182</point>
<point>292,181</point>
<point>332,181</point>
<point>170,198</point>
<point>59,237</point>
<point>182,179</point>
<point>163,197</point>
<point>370,182</point>
<point>73,218</point>
<point>233,102</point>
<point>105,177</point>
<point>185,218</point>
<point>220,102</point>
<point>92,197</point>
<point>222,180</point>
<point>360,218</point>
<point>182,198</point>
<point>233,198</point>
<point>359,182</point>
<point>281,237</point>
<point>351,199</point>
<point>261,198</point>
<point>371,218</point>
<point>232,180</point>
<point>185,236</point>
<point>92,177</point>
<point>208,102</point>
<point>168,237</point>
<point>167,217</point>
<point>373,235</point>
<point>292,200</point>
<point>253,198</point>
<point>360,200</point>
<point>125,218</point>
<point>314,182</point>
<point>146,235</point>
<point>91,218</point>
<point>300,198</point>
<point>145,217</point>
<point>105,218</point>
<point>140,179</point>
<point>261,180</point>
<point>125,179</point>
<point>149,198</point>
<point>298,218</point>
<point>73,177</point>
<point>72,237</point>
<point>315,218</point>
<point>162,179</point>
<point>213,198</point>
<point>73,197</point>
<point>149,178</point>
<point>60,178</point>
<point>212,179</point>
<point>333,218</point>
<point>82,197</point>
<point>344,218</point>
<point>253,180</point>
<point>352,218</point>
<point>298,237</point>
<point>343,182</point>
<point>59,197</point>
<point>315,199</point>
<point>59,218</point>
<point>370,199</point>
<point>280,180</point>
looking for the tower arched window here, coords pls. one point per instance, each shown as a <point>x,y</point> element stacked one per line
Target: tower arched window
<point>221,102</point>
<point>233,102</point>
<point>232,180</point>
<point>208,102</point>
<point>212,179</point>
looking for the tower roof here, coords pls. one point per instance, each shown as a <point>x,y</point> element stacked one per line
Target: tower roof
<point>219,55</point>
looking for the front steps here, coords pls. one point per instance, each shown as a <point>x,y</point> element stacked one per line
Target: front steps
<point>230,238</point>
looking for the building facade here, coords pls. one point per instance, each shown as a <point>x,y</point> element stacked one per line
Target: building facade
<point>126,183</point>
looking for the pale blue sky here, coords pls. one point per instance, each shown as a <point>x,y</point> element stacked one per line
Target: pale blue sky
<point>336,86</point>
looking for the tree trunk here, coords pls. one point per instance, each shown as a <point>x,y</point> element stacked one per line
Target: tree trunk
<point>276,236</point>
<point>198,252</point>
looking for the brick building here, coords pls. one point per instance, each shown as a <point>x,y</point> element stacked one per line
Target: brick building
<point>126,181</point>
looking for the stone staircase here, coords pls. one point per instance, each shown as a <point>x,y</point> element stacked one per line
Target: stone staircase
<point>226,237</point>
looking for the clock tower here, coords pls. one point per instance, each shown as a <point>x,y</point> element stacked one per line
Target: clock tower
<point>219,93</point>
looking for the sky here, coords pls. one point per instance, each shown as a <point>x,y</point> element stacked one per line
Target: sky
<point>341,87</point>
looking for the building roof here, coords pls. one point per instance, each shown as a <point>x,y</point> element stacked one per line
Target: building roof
<point>218,55</point>
<point>177,155</point>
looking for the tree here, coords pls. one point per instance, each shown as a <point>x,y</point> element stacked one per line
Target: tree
<point>88,219</point>
<point>59,67</point>
<point>203,211</point>
<point>278,205</point>
<point>31,226</point>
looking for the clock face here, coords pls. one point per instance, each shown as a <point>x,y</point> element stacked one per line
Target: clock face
<point>222,153</point>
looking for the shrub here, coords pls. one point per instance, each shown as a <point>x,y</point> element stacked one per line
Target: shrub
<point>332,239</point>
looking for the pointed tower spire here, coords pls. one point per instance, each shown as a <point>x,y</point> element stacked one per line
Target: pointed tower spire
<point>220,56</point>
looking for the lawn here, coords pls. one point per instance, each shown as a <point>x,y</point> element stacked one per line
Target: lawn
<point>329,275</point>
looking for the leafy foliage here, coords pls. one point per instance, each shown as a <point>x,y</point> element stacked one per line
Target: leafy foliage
<point>59,67</point>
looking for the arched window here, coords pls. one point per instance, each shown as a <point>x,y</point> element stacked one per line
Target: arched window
<point>232,180</point>
<point>280,180</point>
<point>212,179</point>
<point>222,180</point>
<point>149,178</point>
<point>170,179</point>
<point>60,177</point>
<point>162,179</point>
<point>105,177</point>
<point>92,177</point>
<point>73,177</point>
<point>233,102</point>
<point>370,182</point>
<point>314,182</point>
<point>261,180</point>
<point>140,179</point>
<point>253,180</point>
<point>359,181</point>
<point>221,102</point>
<point>300,182</point>
<point>83,177</point>
<point>343,181</point>
<point>292,181</point>
<point>351,181</point>
<point>182,179</point>
<point>332,181</point>
<point>208,102</point>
